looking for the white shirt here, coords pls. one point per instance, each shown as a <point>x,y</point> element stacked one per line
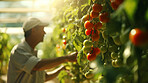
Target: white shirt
<point>22,61</point>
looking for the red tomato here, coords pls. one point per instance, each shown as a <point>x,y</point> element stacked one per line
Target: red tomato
<point>104,17</point>
<point>88,32</point>
<point>57,46</point>
<point>91,57</point>
<point>95,36</point>
<point>88,25</point>
<point>98,25</point>
<point>64,42</point>
<point>119,1</point>
<point>114,5</point>
<point>94,14</point>
<point>63,29</point>
<point>96,51</point>
<point>138,37</point>
<point>97,7</point>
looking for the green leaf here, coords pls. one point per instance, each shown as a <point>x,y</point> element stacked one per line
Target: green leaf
<point>146,15</point>
<point>75,43</point>
<point>113,26</point>
<point>130,8</point>
<point>79,56</point>
<point>62,76</point>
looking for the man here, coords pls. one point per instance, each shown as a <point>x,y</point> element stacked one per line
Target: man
<point>24,66</point>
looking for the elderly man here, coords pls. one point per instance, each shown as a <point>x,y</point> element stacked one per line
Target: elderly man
<point>24,65</point>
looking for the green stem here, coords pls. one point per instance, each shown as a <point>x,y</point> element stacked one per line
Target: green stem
<point>138,53</point>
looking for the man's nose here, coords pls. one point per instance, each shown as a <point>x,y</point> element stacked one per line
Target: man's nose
<point>44,32</point>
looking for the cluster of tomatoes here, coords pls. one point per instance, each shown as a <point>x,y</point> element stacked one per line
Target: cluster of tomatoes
<point>64,38</point>
<point>92,28</point>
<point>91,51</point>
<point>64,42</point>
<point>116,61</point>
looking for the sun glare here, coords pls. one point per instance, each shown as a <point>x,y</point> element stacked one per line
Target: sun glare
<point>43,3</point>
<point>133,32</point>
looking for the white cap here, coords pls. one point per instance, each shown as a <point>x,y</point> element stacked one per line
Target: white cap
<point>33,22</point>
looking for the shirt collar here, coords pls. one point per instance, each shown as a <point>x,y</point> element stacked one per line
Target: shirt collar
<point>29,48</point>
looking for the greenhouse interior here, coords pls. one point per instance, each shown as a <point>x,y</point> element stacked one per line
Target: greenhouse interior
<point>85,41</point>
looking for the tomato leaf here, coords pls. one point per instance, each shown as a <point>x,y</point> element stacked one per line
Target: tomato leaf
<point>130,8</point>
<point>79,56</point>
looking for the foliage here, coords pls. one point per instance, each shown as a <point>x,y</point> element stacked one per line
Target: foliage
<point>119,60</point>
<point>5,48</point>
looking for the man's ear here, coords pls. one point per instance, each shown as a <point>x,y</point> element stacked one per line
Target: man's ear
<point>33,29</point>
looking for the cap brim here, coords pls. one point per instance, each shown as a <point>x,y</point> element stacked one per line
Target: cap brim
<point>44,24</point>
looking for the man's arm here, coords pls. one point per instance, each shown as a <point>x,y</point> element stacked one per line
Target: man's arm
<point>50,63</point>
<point>54,73</point>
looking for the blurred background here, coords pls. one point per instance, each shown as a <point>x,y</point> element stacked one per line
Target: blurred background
<point>12,15</point>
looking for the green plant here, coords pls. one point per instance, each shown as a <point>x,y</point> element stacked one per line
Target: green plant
<point>118,57</point>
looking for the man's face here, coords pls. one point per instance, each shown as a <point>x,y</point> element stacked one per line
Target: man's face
<point>39,33</point>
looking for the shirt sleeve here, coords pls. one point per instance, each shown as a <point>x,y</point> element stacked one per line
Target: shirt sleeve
<point>24,61</point>
<point>30,63</point>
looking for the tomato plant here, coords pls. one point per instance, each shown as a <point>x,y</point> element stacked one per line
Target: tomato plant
<point>5,49</point>
<point>105,28</point>
<point>87,43</point>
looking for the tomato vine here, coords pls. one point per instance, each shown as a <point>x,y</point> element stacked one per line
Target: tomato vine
<point>106,26</point>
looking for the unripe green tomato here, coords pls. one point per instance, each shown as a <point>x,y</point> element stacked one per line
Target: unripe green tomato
<point>70,20</point>
<point>73,78</point>
<point>101,79</point>
<point>104,35</point>
<point>113,63</point>
<point>103,49</point>
<point>86,49</point>
<point>116,40</point>
<point>89,74</point>
<point>64,37</point>
<point>114,55</point>
<point>118,62</point>
<point>87,43</point>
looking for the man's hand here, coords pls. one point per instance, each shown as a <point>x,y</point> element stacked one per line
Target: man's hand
<point>72,57</point>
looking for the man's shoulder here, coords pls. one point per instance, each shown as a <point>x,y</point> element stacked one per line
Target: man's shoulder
<point>19,48</point>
